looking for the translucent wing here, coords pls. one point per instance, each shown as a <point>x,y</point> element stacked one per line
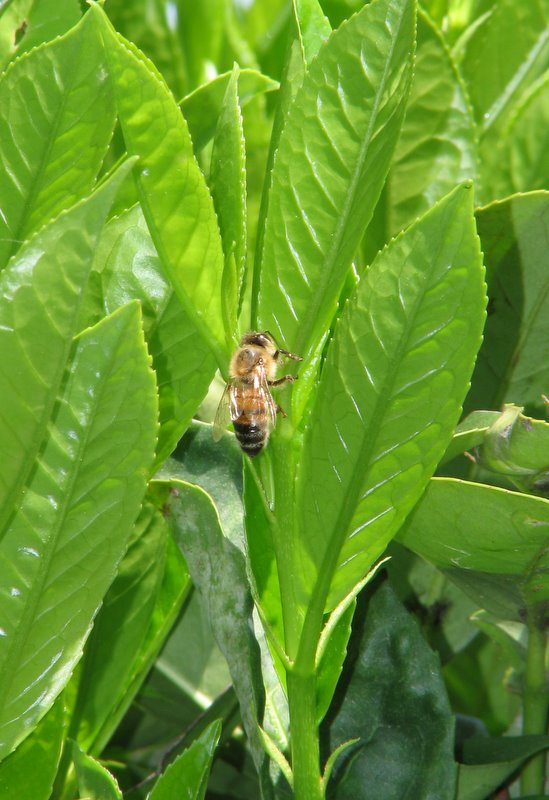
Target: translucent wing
<point>261,386</point>
<point>223,413</point>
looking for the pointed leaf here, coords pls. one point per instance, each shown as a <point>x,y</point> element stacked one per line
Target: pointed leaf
<point>187,777</point>
<point>38,21</point>
<point>228,186</point>
<point>201,108</point>
<point>65,539</point>
<point>129,268</point>
<point>173,193</point>
<point>332,159</point>
<point>56,124</point>
<point>94,781</point>
<point>390,394</point>
<point>41,294</point>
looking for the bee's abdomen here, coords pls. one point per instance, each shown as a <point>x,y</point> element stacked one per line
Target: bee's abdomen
<point>251,437</point>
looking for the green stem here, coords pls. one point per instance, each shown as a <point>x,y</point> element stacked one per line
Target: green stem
<point>304,736</point>
<point>535,705</point>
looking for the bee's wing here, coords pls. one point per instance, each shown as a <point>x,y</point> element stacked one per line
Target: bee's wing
<point>263,389</point>
<point>224,413</point>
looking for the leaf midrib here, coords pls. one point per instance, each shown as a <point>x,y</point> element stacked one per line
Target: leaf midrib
<point>315,304</point>
<point>35,596</point>
<point>335,544</point>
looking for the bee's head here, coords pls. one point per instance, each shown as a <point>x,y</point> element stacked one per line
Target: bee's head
<point>262,339</point>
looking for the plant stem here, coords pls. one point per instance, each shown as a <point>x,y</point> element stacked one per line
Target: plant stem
<point>535,705</point>
<point>304,736</point>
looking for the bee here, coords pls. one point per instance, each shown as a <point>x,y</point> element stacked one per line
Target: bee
<point>247,399</point>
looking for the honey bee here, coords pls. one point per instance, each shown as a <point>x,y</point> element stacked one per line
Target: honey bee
<point>247,399</point>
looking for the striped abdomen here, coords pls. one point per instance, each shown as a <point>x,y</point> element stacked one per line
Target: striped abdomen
<point>252,425</point>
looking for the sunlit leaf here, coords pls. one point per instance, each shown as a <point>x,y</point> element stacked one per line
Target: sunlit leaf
<point>57,120</point>
<point>332,159</point>
<point>129,268</point>
<point>41,294</point>
<point>64,540</point>
<point>94,781</point>
<point>24,24</point>
<point>188,775</point>
<point>29,772</point>
<point>228,186</point>
<point>172,190</point>
<point>390,395</point>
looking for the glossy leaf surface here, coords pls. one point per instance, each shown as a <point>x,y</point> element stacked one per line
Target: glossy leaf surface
<point>390,395</point>
<point>63,543</point>
<point>94,781</point>
<point>42,292</point>
<point>56,124</point>
<point>332,159</point>
<point>173,193</point>
<point>228,186</point>
<point>406,737</point>
<point>29,772</point>
<point>187,777</point>
<point>129,268</point>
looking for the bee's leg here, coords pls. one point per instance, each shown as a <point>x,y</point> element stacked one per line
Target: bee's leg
<point>284,379</point>
<point>280,352</point>
<point>280,410</point>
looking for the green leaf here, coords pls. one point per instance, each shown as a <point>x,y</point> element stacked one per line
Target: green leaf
<point>202,107</point>
<point>67,535</point>
<point>187,777</point>
<point>490,541</point>
<point>218,571</point>
<point>120,630</point>
<point>41,295</point>
<point>517,446</point>
<point>228,187</point>
<point>24,24</point>
<point>437,146</point>
<point>389,397</point>
<point>173,193</point>
<point>332,159</point>
<point>524,147</point>
<point>469,433</point>
<point>56,124</point>
<point>313,27</point>
<point>129,268</point>
<point>389,650</point>
<point>520,30</point>
<point>491,761</point>
<point>29,772</point>
<point>513,362</point>
<point>94,781</point>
